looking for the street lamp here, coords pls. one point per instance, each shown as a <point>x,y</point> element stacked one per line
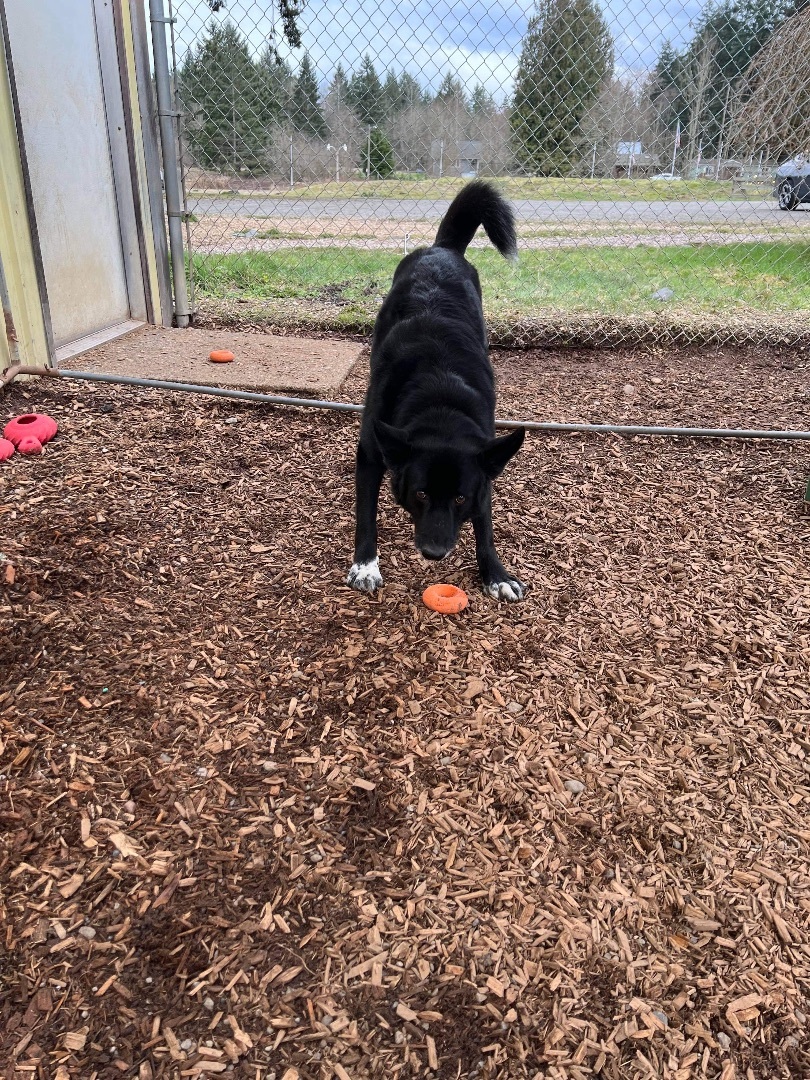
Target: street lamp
<point>337,150</point>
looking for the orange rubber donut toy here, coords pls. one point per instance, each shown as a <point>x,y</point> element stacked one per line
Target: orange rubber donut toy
<point>446,599</point>
<point>221,356</point>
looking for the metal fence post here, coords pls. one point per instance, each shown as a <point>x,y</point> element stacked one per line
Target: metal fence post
<point>171,167</point>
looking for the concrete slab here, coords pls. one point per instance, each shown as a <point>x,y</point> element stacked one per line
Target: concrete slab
<point>294,365</point>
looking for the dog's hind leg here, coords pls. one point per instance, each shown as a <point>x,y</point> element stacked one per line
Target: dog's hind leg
<point>365,572</point>
<point>498,582</point>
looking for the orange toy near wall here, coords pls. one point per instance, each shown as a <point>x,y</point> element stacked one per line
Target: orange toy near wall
<point>34,425</point>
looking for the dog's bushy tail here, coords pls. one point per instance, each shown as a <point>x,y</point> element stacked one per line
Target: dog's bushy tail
<point>479,203</point>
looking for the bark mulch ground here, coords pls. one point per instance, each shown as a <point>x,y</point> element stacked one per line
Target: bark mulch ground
<point>256,824</point>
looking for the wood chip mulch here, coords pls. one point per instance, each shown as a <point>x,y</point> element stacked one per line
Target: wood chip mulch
<point>254,824</point>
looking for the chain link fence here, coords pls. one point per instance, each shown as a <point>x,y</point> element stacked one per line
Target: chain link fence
<point>653,153</point>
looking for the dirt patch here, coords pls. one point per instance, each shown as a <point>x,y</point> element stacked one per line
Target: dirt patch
<point>262,361</point>
<point>257,824</point>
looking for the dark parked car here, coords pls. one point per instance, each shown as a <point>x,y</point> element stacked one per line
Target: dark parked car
<point>793,183</point>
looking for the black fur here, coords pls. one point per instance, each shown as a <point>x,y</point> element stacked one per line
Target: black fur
<point>429,416</point>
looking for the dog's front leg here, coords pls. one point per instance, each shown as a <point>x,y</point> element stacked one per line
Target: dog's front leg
<point>365,572</point>
<point>497,581</point>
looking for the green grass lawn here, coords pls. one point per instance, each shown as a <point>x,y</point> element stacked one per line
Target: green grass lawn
<point>770,278</point>
<point>529,187</point>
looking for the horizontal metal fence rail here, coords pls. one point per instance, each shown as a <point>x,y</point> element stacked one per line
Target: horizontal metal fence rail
<point>543,426</point>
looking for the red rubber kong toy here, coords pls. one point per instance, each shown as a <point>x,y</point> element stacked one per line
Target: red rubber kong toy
<point>37,425</point>
<point>6,449</point>
<point>221,356</point>
<point>29,445</point>
<point>446,599</point>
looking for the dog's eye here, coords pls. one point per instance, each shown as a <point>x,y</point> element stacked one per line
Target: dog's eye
<point>421,496</point>
<point>460,499</point>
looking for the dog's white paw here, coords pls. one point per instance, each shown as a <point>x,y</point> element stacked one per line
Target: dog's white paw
<point>510,590</point>
<point>365,577</point>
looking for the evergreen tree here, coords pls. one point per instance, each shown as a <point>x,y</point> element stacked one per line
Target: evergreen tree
<point>566,57</point>
<point>342,125</point>
<point>306,110</point>
<point>451,89</point>
<point>337,96</point>
<point>410,91</point>
<point>378,155</point>
<point>482,101</point>
<point>664,87</point>
<point>366,94</point>
<point>223,92</point>
<point>392,95</point>
<point>276,87</point>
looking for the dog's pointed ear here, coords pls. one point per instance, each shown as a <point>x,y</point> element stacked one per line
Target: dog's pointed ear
<point>497,454</point>
<point>393,444</point>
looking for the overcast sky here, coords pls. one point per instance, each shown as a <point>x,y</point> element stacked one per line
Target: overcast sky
<point>478,41</point>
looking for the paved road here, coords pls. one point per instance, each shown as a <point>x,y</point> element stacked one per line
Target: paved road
<point>536,210</point>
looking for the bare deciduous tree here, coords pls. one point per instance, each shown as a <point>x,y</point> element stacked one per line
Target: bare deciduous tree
<point>617,115</point>
<point>773,116</point>
<point>697,82</point>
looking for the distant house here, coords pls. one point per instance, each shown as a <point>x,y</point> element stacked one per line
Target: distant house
<point>469,158</point>
<point>711,169</point>
<point>632,160</point>
<point>451,157</point>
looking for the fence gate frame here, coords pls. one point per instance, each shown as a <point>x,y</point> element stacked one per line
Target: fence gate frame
<point>128,104</point>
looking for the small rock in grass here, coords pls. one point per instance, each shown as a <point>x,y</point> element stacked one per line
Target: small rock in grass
<point>663,294</point>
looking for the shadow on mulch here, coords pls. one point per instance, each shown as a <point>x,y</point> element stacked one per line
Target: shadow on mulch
<point>256,824</point>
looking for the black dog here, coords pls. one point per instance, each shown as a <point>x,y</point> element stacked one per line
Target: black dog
<point>429,415</point>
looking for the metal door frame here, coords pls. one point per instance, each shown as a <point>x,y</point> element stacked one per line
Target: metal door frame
<point>149,300</point>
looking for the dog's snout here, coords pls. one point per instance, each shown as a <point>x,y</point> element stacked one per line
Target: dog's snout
<point>433,552</point>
